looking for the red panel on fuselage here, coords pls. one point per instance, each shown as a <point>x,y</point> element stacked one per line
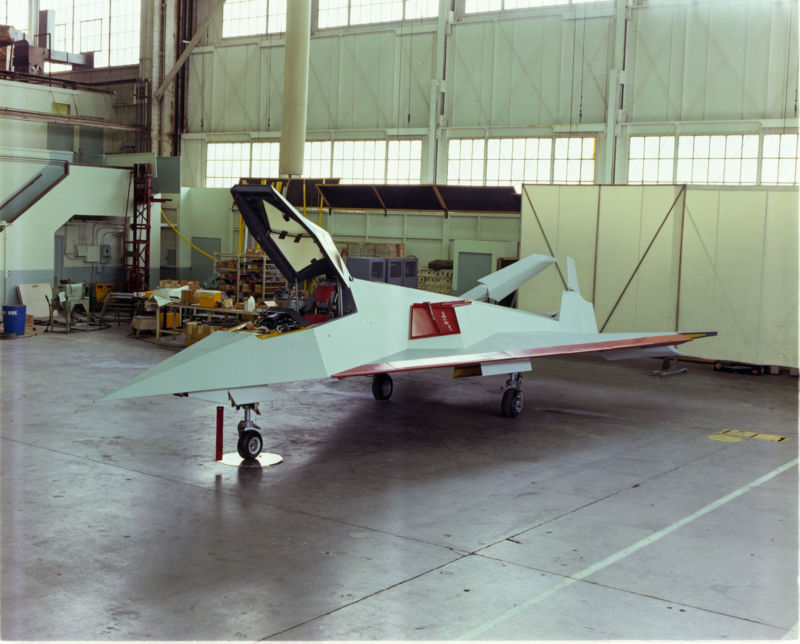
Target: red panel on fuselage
<point>434,319</point>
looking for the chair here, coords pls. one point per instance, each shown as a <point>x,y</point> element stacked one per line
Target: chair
<point>323,304</point>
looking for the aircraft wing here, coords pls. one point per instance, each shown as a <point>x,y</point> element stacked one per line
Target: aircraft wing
<point>520,346</point>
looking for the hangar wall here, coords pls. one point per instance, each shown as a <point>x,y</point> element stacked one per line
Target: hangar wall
<point>27,140</point>
<point>688,67</point>
<point>427,235</point>
<point>27,244</point>
<point>207,212</point>
<point>709,259</point>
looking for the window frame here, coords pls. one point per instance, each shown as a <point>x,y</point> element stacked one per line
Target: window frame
<point>318,154</point>
<point>467,165</point>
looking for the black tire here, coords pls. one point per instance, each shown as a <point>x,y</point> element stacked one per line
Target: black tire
<point>382,386</point>
<point>511,404</point>
<point>250,444</point>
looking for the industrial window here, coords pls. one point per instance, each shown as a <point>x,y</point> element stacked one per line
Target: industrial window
<point>253,17</point>
<point>244,18</point>
<point>367,11</point>
<point>15,14</point>
<point>265,157</point>
<point>651,159</point>
<point>573,160</point>
<point>226,163</point>
<point>109,29</point>
<point>317,159</point>
<point>124,33</point>
<point>718,159</point>
<point>517,161</point>
<point>341,13</point>
<point>404,161</point>
<point>359,161</point>
<point>465,162</point>
<point>367,161</point>
<point>779,164</point>
<point>481,6</point>
<point>91,35</point>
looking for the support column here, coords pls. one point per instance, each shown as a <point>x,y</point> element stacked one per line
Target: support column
<point>169,44</point>
<point>158,43</point>
<point>295,87</point>
<point>436,118</point>
<point>616,92</point>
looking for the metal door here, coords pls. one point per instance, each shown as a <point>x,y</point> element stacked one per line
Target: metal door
<point>471,267</point>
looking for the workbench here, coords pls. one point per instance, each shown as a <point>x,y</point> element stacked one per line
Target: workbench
<point>184,310</point>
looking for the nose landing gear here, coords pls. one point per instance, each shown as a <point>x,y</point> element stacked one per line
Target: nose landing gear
<point>250,441</point>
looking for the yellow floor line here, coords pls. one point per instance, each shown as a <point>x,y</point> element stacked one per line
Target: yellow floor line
<point>731,435</point>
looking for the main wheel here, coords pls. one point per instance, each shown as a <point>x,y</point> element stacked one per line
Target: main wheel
<point>382,386</point>
<point>250,444</point>
<point>512,403</point>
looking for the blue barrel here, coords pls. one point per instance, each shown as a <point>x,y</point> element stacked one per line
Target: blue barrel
<point>14,319</point>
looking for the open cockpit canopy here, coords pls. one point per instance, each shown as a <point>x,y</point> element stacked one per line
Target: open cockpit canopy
<point>299,248</point>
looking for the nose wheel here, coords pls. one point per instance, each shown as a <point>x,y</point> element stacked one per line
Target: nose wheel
<point>512,402</point>
<point>250,441</point>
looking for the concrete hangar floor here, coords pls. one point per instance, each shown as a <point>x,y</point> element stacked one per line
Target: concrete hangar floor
<point>605,510</point>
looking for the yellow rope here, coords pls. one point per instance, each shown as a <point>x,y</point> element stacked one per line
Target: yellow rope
<point>178,233</point>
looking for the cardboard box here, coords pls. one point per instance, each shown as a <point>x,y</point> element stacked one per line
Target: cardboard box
<point>189,296</point>
<point>190,332</point>
<point>196,331</point>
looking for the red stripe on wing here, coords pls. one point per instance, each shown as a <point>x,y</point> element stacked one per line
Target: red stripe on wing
<point>515,354</point>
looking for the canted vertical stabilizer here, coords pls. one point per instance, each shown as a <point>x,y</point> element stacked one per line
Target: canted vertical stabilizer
<point>576,313</point>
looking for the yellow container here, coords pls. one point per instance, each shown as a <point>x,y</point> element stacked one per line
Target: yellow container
<point>170,319</point>
<point>208,299</point>
<point>101,291</point>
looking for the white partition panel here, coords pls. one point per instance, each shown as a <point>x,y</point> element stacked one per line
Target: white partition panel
<point>568,219</point>
<point>724,259</point>
<point>629,218</point>
<point>740,274</point>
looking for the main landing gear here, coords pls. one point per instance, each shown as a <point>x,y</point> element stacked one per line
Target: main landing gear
<point>512,401</point>
<point>250,441</point>
<point>510,407</point>
<point>382,386</point>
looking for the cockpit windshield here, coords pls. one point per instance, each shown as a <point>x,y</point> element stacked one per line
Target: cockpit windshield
<point>299,248</point>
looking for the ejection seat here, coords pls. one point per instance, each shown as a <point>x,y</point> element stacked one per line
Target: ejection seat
<point>322,306</point>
